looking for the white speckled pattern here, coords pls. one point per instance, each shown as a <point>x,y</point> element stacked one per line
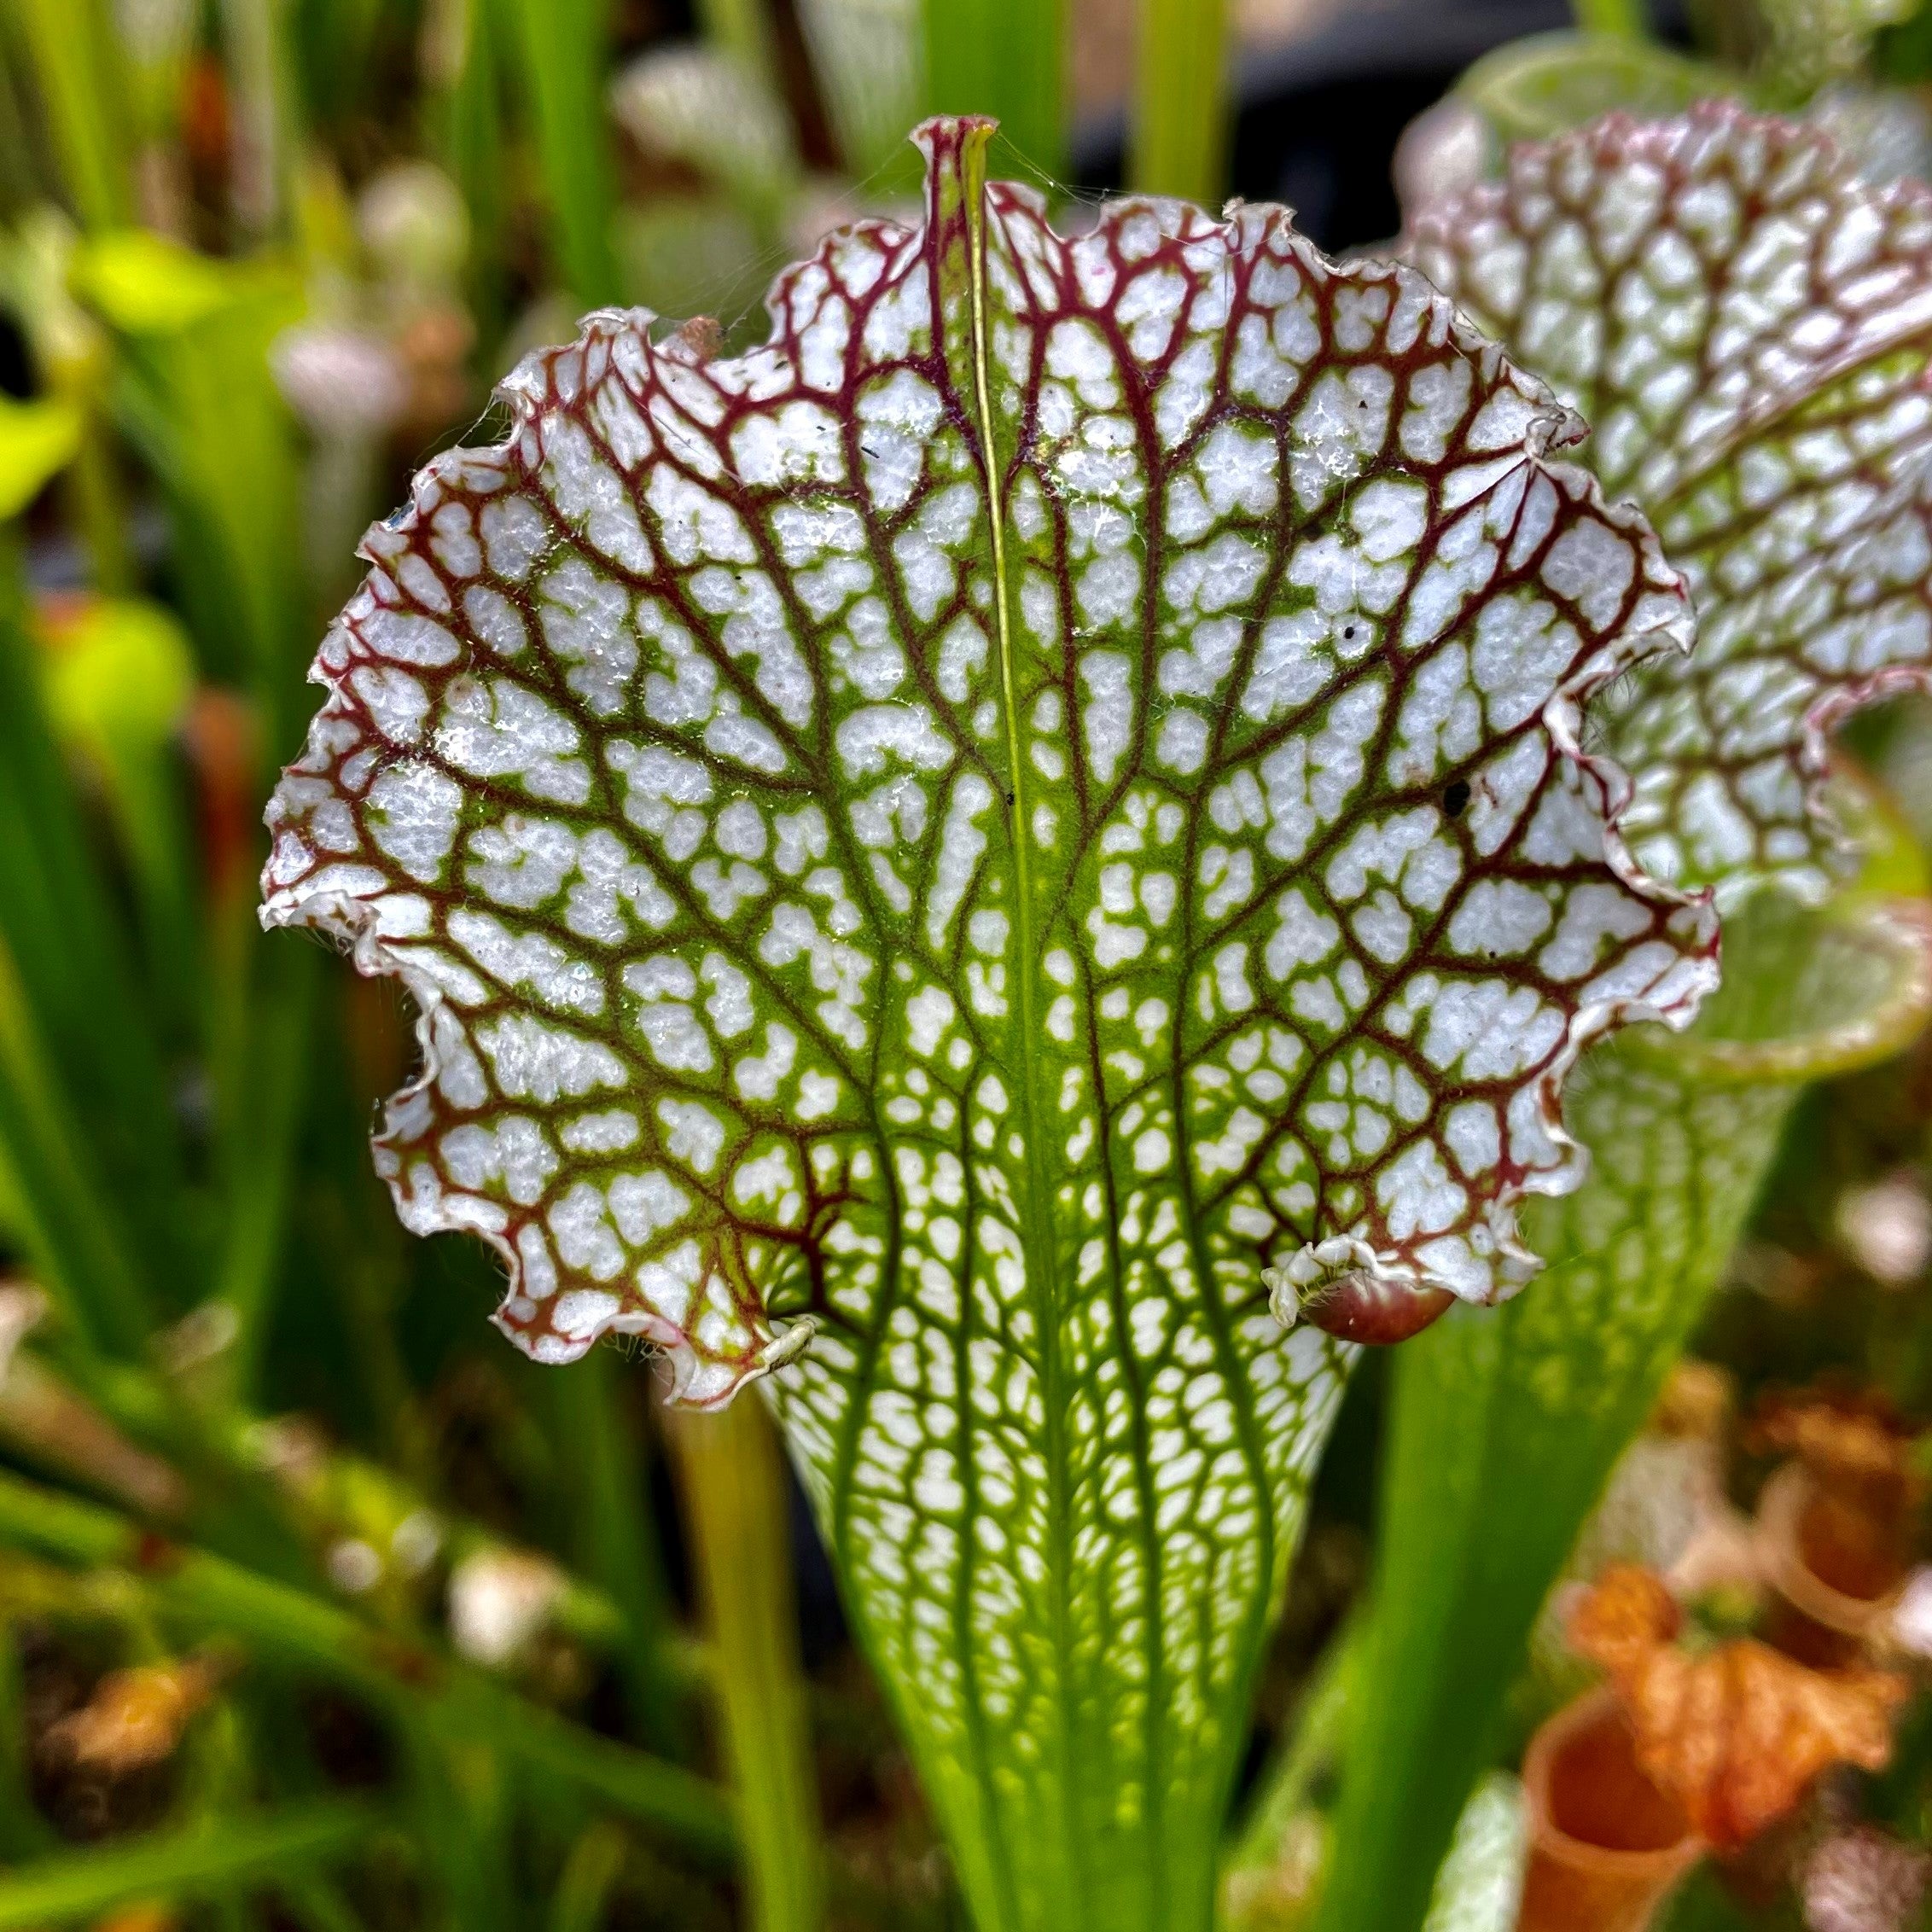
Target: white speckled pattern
<point>932,852</point>
<point>1748,327</point>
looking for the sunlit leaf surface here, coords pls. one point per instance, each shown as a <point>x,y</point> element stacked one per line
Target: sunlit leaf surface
<point>1746,325</point>
<point>932,852</point>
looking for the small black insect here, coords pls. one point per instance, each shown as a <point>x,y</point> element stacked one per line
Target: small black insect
<point>1456,797</point>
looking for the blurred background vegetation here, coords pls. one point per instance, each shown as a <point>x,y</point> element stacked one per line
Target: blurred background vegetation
<point>319,1606</point>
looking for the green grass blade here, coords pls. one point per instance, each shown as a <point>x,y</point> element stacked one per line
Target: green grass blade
<point>564,56</point>
<point>733,1483</point>
<point>1311,1744</point>
<point>71,47</point>
<point>200,407</point>
<point>145,795</point>
<point>694,1812</point>
<point>19,188</point>
<point>867,59</point>
<point>457,1806</point>
<point>334,55</point>
<point>202,1593</point>
<point>71,948</point>
<point>266,1092</point>
<point>23,1831</point>
<point>197,1862</point>
<point>1006,58</point>
<point>197,397</point>
<point>615,1536</point>
<point>589,1873</point>
<point>71,1223</point>
<point>464,108</point>
<point>1180,133</point>
<point>219,1444</point>
<point>317,1905</point>
<point>81,1053</point>
<point>117,676</point>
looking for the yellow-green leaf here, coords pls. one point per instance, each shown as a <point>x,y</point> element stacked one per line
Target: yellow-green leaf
<point>37,440</point>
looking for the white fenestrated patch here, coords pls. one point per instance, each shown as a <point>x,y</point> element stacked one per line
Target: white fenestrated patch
<point>1747,325</point>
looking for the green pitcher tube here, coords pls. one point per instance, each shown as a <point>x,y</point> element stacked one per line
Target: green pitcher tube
<point>1505,1423</point>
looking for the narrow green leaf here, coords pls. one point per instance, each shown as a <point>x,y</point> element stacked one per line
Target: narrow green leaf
<point>117,673</point>
<point>1181,126</point>
<point>23,1830</point>
<point>83,1046</point>
<point>1006,58</point>
<point>195,396</point>
<point>464,75</point>
<point>614,1538</point>
<point>263,1077</point>
<point>19,188</point>
<point>316,1904</point>
<point>734,1497</point>
<point>198,1862</point>
<point>589,1875</point>
<point>70,947</point>
<point>261,105</point>
<point>76,67</point>
<point>69,1213</point>
<point>701,1818</point>
<point>203,1592</point>
<point>869,59</point>
<point>1310,1749</point>
<point>563,59</point>
<point>456,1798</point>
